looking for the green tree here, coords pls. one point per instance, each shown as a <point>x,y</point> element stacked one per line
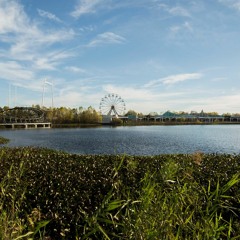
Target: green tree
<point>131,112</point>
<point>90,116</point>
<point>212,114</point>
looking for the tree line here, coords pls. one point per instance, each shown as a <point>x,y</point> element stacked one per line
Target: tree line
<point>67,115</point>
<point>64,115</point>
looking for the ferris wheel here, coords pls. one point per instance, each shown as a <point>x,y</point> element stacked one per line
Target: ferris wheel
<point>112,104</point>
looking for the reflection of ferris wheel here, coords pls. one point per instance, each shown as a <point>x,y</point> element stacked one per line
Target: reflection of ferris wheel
<point>112,104</point>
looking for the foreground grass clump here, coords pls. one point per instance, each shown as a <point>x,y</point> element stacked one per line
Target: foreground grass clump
<point>46,194</point>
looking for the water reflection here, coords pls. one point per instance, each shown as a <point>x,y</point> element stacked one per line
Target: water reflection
<point>140,140</point>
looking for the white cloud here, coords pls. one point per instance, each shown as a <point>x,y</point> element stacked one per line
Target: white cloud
<point>85,7</point>
<point>179,11</point>
<point>174,11</point>
<point>48,15</point>
<point>231,3</point>
<point>89,28</point>
<point>180,78</point>
<point>217,103</point>
<point>44,63</point>
<point>106,38</point>
<point>75,69</point>
<point>28,41</point>
<point>78,95</point>
<point>146,100</point>
<point>23,32</point>
<point>56,55</point>
<point>186,26</point>
<point>35,53</point>
<point>129,93</point>
<point>13,18</point>
<point>15,72</point>
<point>172,79</point>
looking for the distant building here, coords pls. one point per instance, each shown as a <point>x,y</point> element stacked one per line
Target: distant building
<point>132,117</point>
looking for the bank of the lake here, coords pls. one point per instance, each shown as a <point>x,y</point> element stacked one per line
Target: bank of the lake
<point>54,195</point>
<point>140,123</point>
<point>75,125</point>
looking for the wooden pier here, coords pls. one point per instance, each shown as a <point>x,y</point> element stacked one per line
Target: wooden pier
<point>26,125</point>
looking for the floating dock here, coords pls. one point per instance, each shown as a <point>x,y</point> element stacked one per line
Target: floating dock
<point>26,125</point>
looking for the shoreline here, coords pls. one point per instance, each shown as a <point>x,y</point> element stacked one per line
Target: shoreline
<point>79,125</point>
<point>131,124</point>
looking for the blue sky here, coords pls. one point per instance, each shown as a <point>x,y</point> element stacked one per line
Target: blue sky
<point>158,55</point>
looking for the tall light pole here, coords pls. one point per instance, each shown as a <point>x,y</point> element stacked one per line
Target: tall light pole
<point>9,95</point>
<point>12,95</point>
<point>43,94</point>
<point>15,96</point>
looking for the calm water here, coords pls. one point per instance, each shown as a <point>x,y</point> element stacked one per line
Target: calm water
<point>142,140</point>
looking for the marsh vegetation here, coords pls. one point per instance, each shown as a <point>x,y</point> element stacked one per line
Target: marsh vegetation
<point>45,194</point>
<point>3,140</point>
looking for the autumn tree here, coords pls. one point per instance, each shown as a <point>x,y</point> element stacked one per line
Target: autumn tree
<point>131,112</point>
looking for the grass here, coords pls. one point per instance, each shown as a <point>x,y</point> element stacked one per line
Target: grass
<point>45,194</point>
<point>3,140</point>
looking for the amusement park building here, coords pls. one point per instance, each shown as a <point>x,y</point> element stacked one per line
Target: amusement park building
<point>202,117</point>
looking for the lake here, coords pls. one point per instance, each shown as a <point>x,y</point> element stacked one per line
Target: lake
<point>139,140</point>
